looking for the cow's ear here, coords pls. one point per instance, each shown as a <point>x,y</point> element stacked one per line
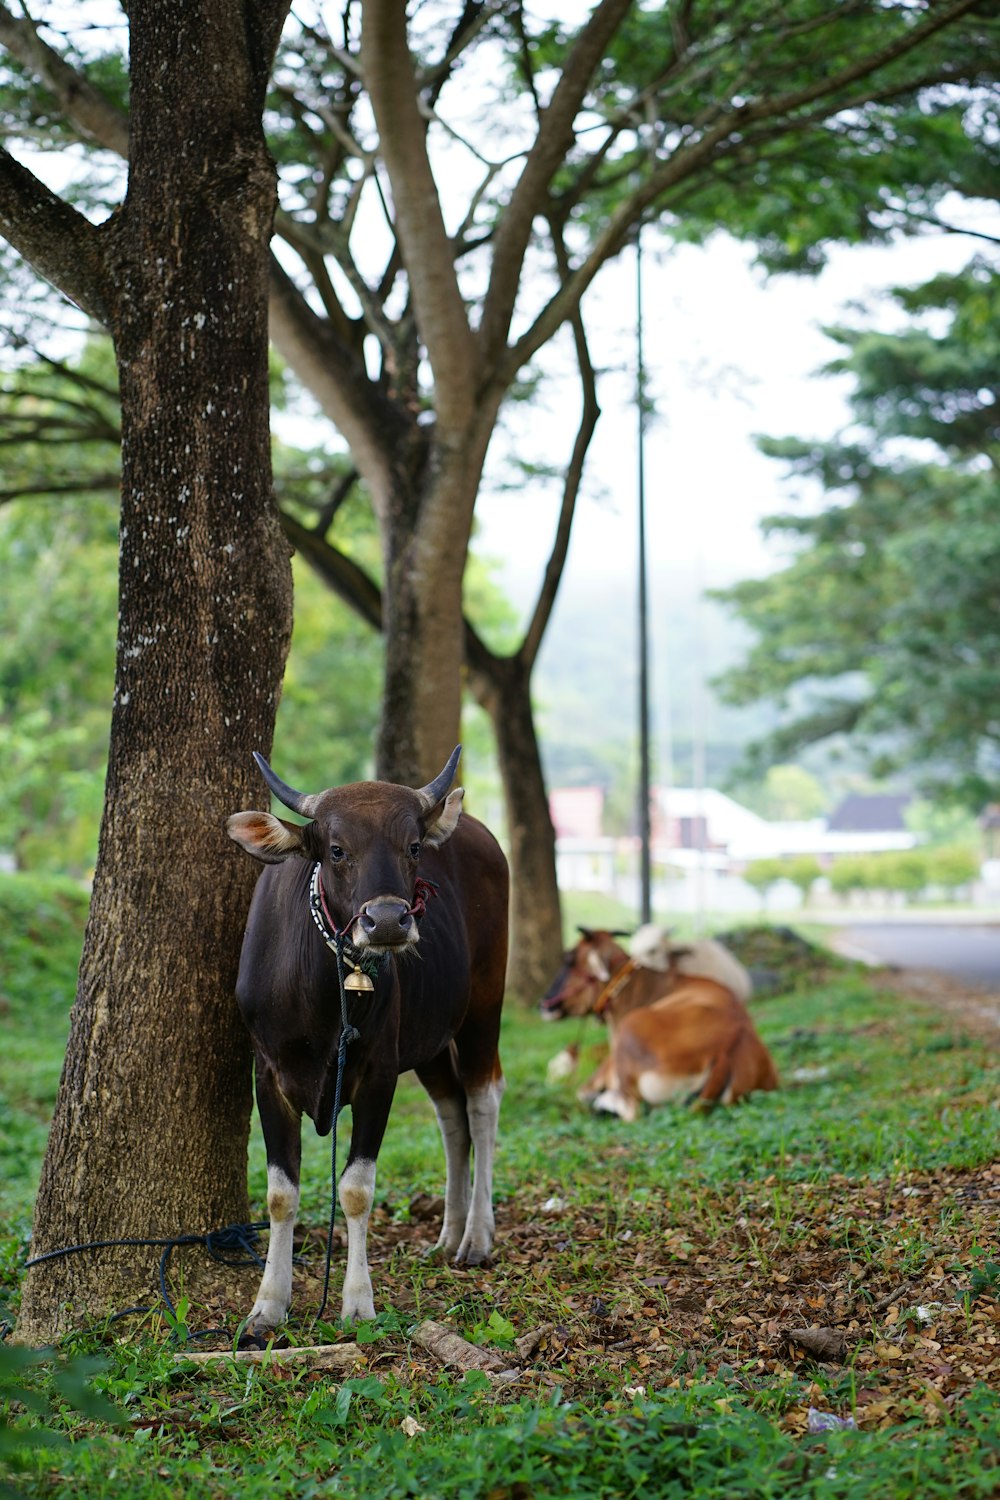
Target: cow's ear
<point>597,968</point>
<point>443,819</point>
<point>267,838</point>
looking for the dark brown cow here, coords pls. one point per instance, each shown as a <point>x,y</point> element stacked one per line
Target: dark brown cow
<point>677,1033</point>
<point>417,894</point>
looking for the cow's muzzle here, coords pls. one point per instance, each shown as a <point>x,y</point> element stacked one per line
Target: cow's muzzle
<point>385,922</point>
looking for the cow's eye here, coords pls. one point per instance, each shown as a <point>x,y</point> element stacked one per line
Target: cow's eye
<point>336,853</point>
<point>415,851</point>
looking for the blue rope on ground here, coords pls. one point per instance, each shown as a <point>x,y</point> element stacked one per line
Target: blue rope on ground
<point>224,1244</point>
<point>232,1246</point>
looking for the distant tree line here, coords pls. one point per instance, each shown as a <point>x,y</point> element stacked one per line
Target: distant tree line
<point>885,627</point>
<point>910,872</point>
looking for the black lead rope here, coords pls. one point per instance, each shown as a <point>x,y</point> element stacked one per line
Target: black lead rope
<point>348,1034</point>
<point>223,1244</point>
<point>233,1246</point>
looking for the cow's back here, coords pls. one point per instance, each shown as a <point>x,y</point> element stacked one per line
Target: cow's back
<point>472,867</point>
<point>461,960</point>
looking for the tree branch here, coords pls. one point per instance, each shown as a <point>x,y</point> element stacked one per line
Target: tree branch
<point>337,378</point>
<point>64,247</point>
<point>554,137</point>
<point>85,105</point>
<point>338,571</point>
<point>589,417</point>
<point>936,222</point>
<point>437,302</point>
<point>307,240</point>
<point>341,490</point>
<point>475,15</point>
<point>91,484</point>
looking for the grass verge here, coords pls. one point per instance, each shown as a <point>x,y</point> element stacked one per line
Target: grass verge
<point>794,1298</point>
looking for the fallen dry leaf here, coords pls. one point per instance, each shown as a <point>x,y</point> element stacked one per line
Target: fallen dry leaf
<point>821,1343</point>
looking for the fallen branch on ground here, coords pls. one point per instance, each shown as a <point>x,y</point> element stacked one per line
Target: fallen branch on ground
<point>310,1356</point>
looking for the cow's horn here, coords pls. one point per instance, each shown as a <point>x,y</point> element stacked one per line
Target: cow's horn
<point>297,801</point>
<point>435,790</point>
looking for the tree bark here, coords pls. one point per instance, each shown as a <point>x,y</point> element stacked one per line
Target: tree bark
<point>151,1125</point>
<point>424,632</point>
<point>426,527</point>
<point>503,687</point>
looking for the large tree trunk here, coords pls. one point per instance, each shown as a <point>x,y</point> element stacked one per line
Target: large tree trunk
<point>503,687</point>
<point>151,1125</point>
<point>422,697</point>
<point>426,527</point>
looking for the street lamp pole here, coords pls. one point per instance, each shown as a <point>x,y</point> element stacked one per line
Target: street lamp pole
<point>645,864</point>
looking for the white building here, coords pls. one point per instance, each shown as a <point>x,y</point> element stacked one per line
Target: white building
<point>689,820</point>
<point>702,840</point>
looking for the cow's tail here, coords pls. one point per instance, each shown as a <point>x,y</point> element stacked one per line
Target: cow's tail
<point>724,1076</point>
<point>741,1066</point>
<point>717,1083</point>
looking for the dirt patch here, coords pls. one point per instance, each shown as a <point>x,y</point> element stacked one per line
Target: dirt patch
<point>973,1008</point>
<point>780,960</point>
<point>873,1296</point>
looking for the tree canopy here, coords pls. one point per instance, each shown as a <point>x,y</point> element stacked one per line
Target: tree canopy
<point>452,181</point>
<point>887,623</point>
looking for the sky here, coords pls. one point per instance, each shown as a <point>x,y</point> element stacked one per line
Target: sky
<point>728,354</point>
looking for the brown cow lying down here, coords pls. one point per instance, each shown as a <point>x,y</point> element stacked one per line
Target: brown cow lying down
<point>672,1035</point>
<point>599,966</point>
<point>651,947</point>
<point>698,1046</point>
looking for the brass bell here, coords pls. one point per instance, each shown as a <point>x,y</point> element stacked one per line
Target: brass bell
<point>358,980</point>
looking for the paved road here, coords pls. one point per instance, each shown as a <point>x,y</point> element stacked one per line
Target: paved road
<point>965,951</point>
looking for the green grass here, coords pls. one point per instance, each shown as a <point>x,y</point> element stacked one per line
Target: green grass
<point>702,1441</point>
<point>660,1265</point>
<point>41,926</point>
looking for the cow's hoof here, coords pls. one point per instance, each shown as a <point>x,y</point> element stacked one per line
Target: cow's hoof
<point>266,1339</point>
<point>357,1305</point>
<point>450,1242</point>
<point>612,1102</point>
<point>473,1255</point>
<point>362,1313</point>
<point>265,1318</point>
<point>439,1252</point>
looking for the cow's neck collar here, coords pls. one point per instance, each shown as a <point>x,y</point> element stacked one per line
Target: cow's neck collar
<point>614,986</point>
<point>335,937</point>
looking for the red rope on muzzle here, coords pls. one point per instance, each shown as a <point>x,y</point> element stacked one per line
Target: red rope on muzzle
<point>423,891</point>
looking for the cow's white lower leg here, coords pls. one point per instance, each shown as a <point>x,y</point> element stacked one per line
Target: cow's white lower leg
<point>357,1193</point>
<point>614,1102</point>
<point>454,1125</point>
<point>274,1295</point>
<point>483,1108</point>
